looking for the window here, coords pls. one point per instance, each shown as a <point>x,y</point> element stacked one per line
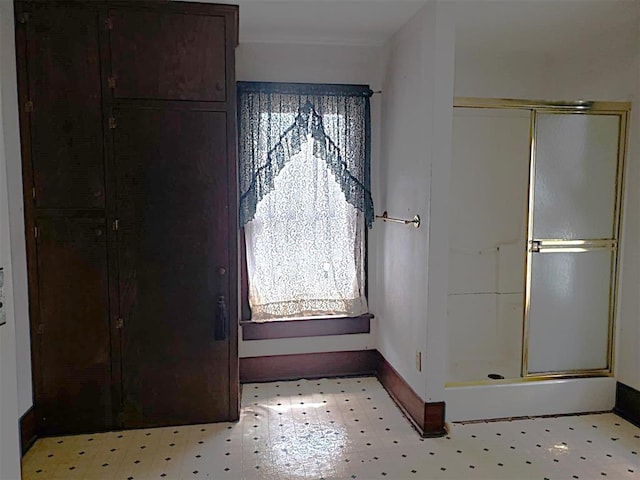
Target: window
<point>305,198</point>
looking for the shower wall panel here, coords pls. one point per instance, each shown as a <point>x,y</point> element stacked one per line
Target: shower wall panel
<point>488,212</point>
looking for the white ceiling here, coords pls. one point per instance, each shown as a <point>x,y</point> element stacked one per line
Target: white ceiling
<point>342,22</point>
<point>540,26</point>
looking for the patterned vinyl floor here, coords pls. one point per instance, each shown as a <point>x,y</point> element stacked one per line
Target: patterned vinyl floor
<point>343,429</point>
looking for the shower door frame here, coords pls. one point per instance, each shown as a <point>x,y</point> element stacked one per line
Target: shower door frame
<point>620,109</point>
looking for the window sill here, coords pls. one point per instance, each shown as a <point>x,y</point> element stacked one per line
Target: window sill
<point>307,327</point>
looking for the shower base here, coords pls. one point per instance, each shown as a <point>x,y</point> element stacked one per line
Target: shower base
<point>530,398</point>
<point>479,371</point>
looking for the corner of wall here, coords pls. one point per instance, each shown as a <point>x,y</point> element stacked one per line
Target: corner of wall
<point>9,113</point>
<point>9,406</point>
<point>627,339</point>
<point>415,156</point>
<point>437,298</point>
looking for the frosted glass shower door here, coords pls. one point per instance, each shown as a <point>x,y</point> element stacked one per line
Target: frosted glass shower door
<point>572,242</point>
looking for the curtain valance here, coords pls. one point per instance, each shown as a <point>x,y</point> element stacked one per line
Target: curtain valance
<point>276,119</point>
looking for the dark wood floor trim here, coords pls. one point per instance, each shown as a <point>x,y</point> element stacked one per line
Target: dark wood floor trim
<point>627,403</point>
<point>428,418</point>
<point>307,365</point>
<point>434,419</point>
<point>28,430</point>
<point>308,327</point>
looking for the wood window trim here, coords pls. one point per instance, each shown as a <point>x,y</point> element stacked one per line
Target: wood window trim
<point>306,327</point>
<point>300,327</point>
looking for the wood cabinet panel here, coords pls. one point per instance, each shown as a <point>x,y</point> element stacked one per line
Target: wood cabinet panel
<point>172,201</point>
<point>66,121</point>
<point>75,367</point>
<point>168,55</point>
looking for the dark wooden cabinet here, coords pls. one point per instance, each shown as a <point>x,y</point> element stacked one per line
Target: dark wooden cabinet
<point>128,143</point>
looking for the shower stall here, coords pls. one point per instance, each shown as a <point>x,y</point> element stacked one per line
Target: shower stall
<point>535,211</point>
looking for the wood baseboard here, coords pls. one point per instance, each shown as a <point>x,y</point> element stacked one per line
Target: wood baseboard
<point>428,418</point>
<point>28,434</point>
<point>627,403</point>
<point>307,365</point>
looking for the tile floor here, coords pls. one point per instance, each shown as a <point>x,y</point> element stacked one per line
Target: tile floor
<point>347,429</point>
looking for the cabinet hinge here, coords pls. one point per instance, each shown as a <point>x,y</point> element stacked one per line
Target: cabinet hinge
<point>108,23</point>
<point>112,123</point>
<point>28,107</point>
<point>40,329</point>
<point>33,192</point>
<point>116,225</point>
<point>24,17</point>
<point>35,232</point>
<point>111,81</point>
<point>119,323</point>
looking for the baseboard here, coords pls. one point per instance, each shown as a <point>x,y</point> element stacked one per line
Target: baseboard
<point>627,403</point>
<point>307,365</point>
<point>28,434</point>
<point>427,417</point>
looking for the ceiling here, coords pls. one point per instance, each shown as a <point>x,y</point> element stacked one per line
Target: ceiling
<point>540,26</point>
<point>341,22</point>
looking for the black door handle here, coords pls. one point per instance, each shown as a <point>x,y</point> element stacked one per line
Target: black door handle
<point>222,320</point>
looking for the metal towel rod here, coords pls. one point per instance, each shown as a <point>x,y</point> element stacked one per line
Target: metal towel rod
<point>386,218</point>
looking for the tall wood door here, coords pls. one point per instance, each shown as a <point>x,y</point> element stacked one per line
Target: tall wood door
<point>63,164</point>
<point>174,162</point>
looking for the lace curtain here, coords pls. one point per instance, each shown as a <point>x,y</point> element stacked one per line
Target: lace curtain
<point>305,197</point>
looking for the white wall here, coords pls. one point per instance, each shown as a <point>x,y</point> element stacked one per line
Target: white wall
<point>404,191</point>
<point>628,314</point>
<point>275,62</point>
<point>443,76</point>
<point>415,163</point>
<point>491,74</point>
<point>16,209</point>
<point>9,413</point>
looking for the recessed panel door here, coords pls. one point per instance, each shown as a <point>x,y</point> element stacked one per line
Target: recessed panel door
<point>74,330</point>
<point>165,55</point>
<point>173,259</point>
<point>65,107</point>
